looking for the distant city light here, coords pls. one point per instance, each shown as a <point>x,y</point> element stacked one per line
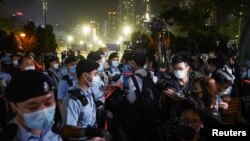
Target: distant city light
<point>18,13</point>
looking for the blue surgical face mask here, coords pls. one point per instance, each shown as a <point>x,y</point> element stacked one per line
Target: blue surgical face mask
<point>73,69</point>
<point>115,63</point>
<point>39,119</point>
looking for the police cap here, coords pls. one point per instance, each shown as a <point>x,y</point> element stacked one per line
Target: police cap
<point>26,85</point>
<point>70,59</point>
<point>86,66</point>
<point>94,56</point>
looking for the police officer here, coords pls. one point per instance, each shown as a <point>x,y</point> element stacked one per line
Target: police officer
<point>26,63</point>
<point>31,97</point>
<point>68,81</point>
<point>98,83</point>
<point>52,67</point>
<point>79,110</point>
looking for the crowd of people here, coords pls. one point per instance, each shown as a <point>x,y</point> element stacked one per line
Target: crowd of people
<point>124,96</point>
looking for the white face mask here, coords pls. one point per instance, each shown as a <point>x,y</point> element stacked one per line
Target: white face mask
<point>90,83</point>
<point>96,78</point>
<point>227,91</point>
<point>145,66</point>
<point>180,74</point>
<point>115,63</point>
<point>56,66</point>
<point>15,63</point>
<point>30,68</point>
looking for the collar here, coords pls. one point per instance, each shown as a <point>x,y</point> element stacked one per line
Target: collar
<point>143,72</point>
<point>83,91</point>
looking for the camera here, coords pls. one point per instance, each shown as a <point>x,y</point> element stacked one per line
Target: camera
<point>165,84</point>
<point>157,24</point>
<point>175,130</point>
<point>204,57</point>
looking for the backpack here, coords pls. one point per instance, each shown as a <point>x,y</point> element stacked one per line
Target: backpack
<point>147,99</point>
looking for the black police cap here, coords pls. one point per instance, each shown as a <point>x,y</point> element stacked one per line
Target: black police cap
<point>94,56</point>
<point>26,85</point>
<point>52,59</point>
<point>86,66</point>
<point>70,59</point>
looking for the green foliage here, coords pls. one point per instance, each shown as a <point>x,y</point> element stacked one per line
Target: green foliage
<point>37,39</point>
<point>46,40</point>
<point>204,22</point>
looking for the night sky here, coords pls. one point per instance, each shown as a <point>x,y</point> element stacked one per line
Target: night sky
<point>62,10</point>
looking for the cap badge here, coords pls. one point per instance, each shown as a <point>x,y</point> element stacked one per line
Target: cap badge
<point>45,87</point>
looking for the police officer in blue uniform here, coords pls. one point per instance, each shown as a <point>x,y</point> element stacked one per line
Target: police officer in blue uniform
<point>79,109</point>
<point>98,83</point>
<point>67,82</point>
<point>31,97</point>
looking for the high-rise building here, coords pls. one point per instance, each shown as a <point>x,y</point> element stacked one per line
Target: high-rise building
<point>111,27</point>
<point>126,12</point>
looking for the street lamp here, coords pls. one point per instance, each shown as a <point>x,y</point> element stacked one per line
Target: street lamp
<point>22,42</point>
<point>85,30</point>
<point>126,30</point>
<point>22,35</point>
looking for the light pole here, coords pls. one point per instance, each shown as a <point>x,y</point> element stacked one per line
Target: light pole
<point>45,9</point>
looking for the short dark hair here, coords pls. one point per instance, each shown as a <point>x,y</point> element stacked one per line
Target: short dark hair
<point>179,58</point>
<point>140,59</point>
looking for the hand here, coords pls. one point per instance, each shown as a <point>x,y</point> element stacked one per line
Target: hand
<point>171,93</point>
<point>116,77</point>
<point>223,105</point>
<point>96,132</point>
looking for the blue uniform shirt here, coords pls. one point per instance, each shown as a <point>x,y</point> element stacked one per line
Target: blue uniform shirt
<point>75,114</point>
<point>98,89</point>
<point>63,87</point>
<point>5,76</point>
<point>23,135</point>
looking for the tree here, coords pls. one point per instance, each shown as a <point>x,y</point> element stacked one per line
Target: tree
<point>46,40</point>
<point>205,21</point>
<point>29,41</point>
